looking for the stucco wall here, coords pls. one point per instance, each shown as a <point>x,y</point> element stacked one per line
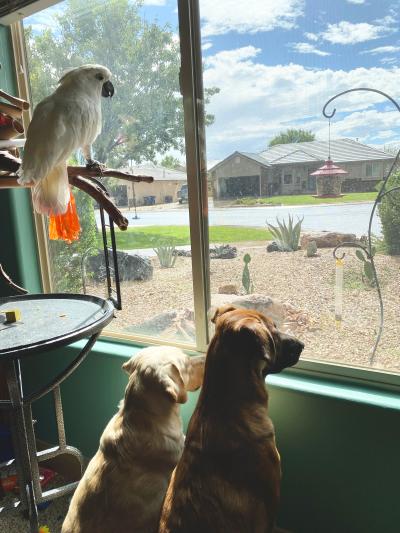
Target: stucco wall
<point>159,189</point>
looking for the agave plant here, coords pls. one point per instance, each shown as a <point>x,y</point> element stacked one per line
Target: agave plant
<point>166,254</point>
<point>286,235</point>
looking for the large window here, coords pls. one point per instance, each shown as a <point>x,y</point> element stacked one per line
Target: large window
<point>267,69</point>
<point>142,134</point>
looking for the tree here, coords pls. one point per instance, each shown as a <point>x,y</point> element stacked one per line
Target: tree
<point>292,136</point>
<point>389,212</point>
<point>171,162</point>
<point>145,116</point>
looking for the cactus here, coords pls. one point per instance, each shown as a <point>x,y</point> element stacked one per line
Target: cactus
<point>368,271</point>
<point>246,280</point>
<point>311,249</point>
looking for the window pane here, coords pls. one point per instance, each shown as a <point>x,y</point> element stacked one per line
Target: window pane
<point>270,67</point>
<point>142,134</point>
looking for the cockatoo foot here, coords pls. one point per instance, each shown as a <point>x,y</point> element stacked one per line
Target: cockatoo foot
<point>91,164</point>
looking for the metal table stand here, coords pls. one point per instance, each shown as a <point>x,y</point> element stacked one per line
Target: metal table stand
<point>86,317</point>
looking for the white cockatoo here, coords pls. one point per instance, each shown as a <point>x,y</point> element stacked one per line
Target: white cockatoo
<point>68,119</point>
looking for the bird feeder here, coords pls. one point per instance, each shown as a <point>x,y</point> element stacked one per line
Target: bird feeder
<point>329,180</point>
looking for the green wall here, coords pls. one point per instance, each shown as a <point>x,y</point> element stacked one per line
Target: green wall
<point>340,459</point>
<point>18,252</point>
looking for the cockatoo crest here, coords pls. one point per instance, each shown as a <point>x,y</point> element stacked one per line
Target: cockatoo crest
<point>68,119</point>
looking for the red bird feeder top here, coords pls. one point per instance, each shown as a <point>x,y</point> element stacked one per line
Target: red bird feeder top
<point>329,169</point>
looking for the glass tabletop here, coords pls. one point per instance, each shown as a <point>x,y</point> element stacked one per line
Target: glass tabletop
<point>50,320</point>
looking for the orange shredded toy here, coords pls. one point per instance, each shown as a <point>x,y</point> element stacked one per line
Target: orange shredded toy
<point>44,529</point>
<point>66,226</point>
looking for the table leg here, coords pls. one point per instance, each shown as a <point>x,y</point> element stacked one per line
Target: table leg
<point>22,455</point>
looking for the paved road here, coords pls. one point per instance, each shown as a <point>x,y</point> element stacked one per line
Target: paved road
<point>351,218</point>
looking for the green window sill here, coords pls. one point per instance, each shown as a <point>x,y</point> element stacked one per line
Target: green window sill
<point>316,385</point>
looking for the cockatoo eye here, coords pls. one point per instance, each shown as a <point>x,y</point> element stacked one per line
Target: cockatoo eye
<point>100,77</point>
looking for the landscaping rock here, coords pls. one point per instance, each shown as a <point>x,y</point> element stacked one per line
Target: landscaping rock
<point>260,302</point>
<point>225,251</point>
<point>327,239</point>
<point>170,324</point>
<point>273,247</point>
<point>131,267</point>
<point>229,288</point>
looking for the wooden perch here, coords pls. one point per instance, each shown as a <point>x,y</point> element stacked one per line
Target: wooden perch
<point>97,193</point>
<point>22,104</point>
<point>78,178</point>
<point>107,173</point>
<point>11,110</point>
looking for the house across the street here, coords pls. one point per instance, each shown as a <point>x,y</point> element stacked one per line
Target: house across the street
<point>164,189</point>
<point>286,169</point>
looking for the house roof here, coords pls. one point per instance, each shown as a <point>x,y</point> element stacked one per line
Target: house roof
<point>159,173</point>
<point>255,157</point>
<point>249,155</point>
<point>342,151</point>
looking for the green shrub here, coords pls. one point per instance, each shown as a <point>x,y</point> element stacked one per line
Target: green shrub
<point>287,235</point>
<point>389,212</point>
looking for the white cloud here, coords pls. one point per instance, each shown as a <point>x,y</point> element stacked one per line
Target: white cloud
<point>311,36</point>
<point>388,60</point>
<point>356,1</point>
<point>345,32</point>
<point>307,48</point>
<point>382,50</point>
<point>257,101</point>
<point>222,16</point>
<point>207,45</point>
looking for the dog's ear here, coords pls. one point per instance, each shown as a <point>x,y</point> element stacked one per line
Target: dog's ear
<point>129,366</point>
<point>221,311</point>
<point>173,383</point>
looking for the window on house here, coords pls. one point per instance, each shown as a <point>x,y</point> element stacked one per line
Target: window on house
<point>373,170</point>
<point>287,179</point>
<point>245,113</point>
<point>298,179</point>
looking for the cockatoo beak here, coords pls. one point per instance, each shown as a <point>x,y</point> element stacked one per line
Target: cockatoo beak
<point>107,90</point>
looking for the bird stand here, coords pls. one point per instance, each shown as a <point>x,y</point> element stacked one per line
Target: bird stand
<point>339,293</point>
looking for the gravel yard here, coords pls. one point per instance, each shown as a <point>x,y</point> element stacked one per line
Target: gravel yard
<point>304,285</point>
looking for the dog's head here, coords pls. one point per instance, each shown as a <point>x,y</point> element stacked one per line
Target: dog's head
<point>165,369</point>
<point>249,334</point>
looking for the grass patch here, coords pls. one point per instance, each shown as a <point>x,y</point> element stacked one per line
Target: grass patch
<point>306,199</point>
<point>151,236</point>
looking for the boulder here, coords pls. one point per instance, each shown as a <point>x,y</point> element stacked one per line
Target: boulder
<point>176,325</point>
<point>225,251</point>
<point>260,302</point>
<point>326,239</point>
<point>229,288</point>
<point>130,267</point>
<point>273,247</point>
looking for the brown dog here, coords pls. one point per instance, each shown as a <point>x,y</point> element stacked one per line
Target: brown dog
<point>124,485</point>
<point>228,478</point>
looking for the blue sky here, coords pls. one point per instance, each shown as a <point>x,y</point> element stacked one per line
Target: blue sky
<point>276,62</point>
